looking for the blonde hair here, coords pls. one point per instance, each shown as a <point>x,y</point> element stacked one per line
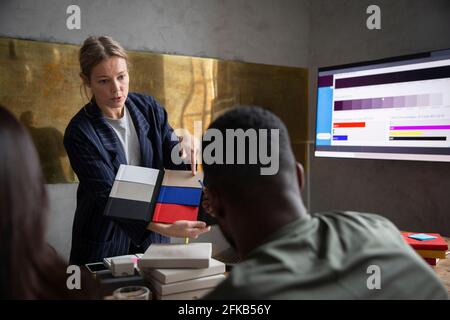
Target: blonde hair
<point>96,49</point>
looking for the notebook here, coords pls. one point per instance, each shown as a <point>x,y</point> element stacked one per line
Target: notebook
<point>161,289</point>
<point>175,275</point>
<point>149,194</point>
<point>171,255</point>
<point>187,295</point>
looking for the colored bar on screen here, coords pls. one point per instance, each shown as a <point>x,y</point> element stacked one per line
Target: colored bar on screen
<point>338,105</point>
<point>349,125</point>
<point>436,127</point>
<point>325,81</point>
<point>394,77</point>
<point>405,133</point>
<point>419,138</point>
<point>340,138</point>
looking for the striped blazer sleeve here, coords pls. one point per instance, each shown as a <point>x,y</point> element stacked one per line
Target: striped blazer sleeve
<point>97,177</point>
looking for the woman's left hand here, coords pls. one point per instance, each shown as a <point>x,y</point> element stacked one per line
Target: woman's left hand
<point>190,149</point>
<point>180,228</point>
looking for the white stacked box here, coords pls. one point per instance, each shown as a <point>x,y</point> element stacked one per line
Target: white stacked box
<point>191,274</point>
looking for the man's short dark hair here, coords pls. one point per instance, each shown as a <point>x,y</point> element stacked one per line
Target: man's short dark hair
<point>241,178</point>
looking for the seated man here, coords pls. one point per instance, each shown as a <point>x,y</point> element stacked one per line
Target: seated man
<point>287,253</point>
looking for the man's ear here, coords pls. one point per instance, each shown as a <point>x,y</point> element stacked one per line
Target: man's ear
<point>85,80</point>
<point>211,202</point>
<point>300,176</point>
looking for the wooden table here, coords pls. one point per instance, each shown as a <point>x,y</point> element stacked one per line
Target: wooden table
<point>443,269</point>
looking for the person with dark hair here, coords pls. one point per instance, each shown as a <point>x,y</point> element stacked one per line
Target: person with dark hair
<point>118,127</point>
<point>285,252</point>
<point>29,267</point>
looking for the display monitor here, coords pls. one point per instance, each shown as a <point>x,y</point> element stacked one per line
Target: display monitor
<point>395,108</point>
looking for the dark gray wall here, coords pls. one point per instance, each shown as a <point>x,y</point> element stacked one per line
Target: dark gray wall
<point>414,195</point>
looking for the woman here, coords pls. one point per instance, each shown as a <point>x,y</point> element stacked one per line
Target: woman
<point>117,127</point>
<point>29,268</point>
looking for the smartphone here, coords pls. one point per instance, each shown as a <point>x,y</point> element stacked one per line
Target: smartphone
<point>97,267</point>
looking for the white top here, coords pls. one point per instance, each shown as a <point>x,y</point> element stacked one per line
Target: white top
<point>126,132</point>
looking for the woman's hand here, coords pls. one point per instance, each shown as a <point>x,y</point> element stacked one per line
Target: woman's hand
<point>190,149</point>
<point>180,228</point>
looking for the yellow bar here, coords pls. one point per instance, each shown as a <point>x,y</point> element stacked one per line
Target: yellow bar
<point>405,133</point>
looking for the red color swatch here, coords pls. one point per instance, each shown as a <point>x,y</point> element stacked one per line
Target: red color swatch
<point>169,213</point>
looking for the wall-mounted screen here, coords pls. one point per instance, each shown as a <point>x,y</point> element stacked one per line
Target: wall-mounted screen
<point>396,108</point>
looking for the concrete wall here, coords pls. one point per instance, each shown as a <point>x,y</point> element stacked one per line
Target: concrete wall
<point>261,31</point>
<point>62,199</point>
<point>415,195</point>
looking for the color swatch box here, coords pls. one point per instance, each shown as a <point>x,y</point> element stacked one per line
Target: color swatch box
<point>149,194</point>
<point>430,246</point>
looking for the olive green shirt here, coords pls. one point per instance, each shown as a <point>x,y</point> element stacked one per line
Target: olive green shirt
<point>333,255</point>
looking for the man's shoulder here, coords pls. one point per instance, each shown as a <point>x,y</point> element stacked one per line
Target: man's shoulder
<point>361,229</point>
<point>354,217</point>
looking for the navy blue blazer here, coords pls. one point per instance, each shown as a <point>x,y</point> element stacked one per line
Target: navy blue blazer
<point>95,154</point>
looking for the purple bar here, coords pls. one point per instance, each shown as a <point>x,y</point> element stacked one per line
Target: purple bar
<point>420,100</point>
<point>411,101</point>
<point>399,102</point>
<point>394,77</point>
<point>326,81</point>
<point>388,102</point>
<point>366,104</point>
<point>338,105</point>
<point>438,127</point>
<point>347,105</point>
<point>356,104</point>
<point>377,103</point>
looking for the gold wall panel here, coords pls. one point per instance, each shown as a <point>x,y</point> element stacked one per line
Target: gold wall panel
<point>41,86</point>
